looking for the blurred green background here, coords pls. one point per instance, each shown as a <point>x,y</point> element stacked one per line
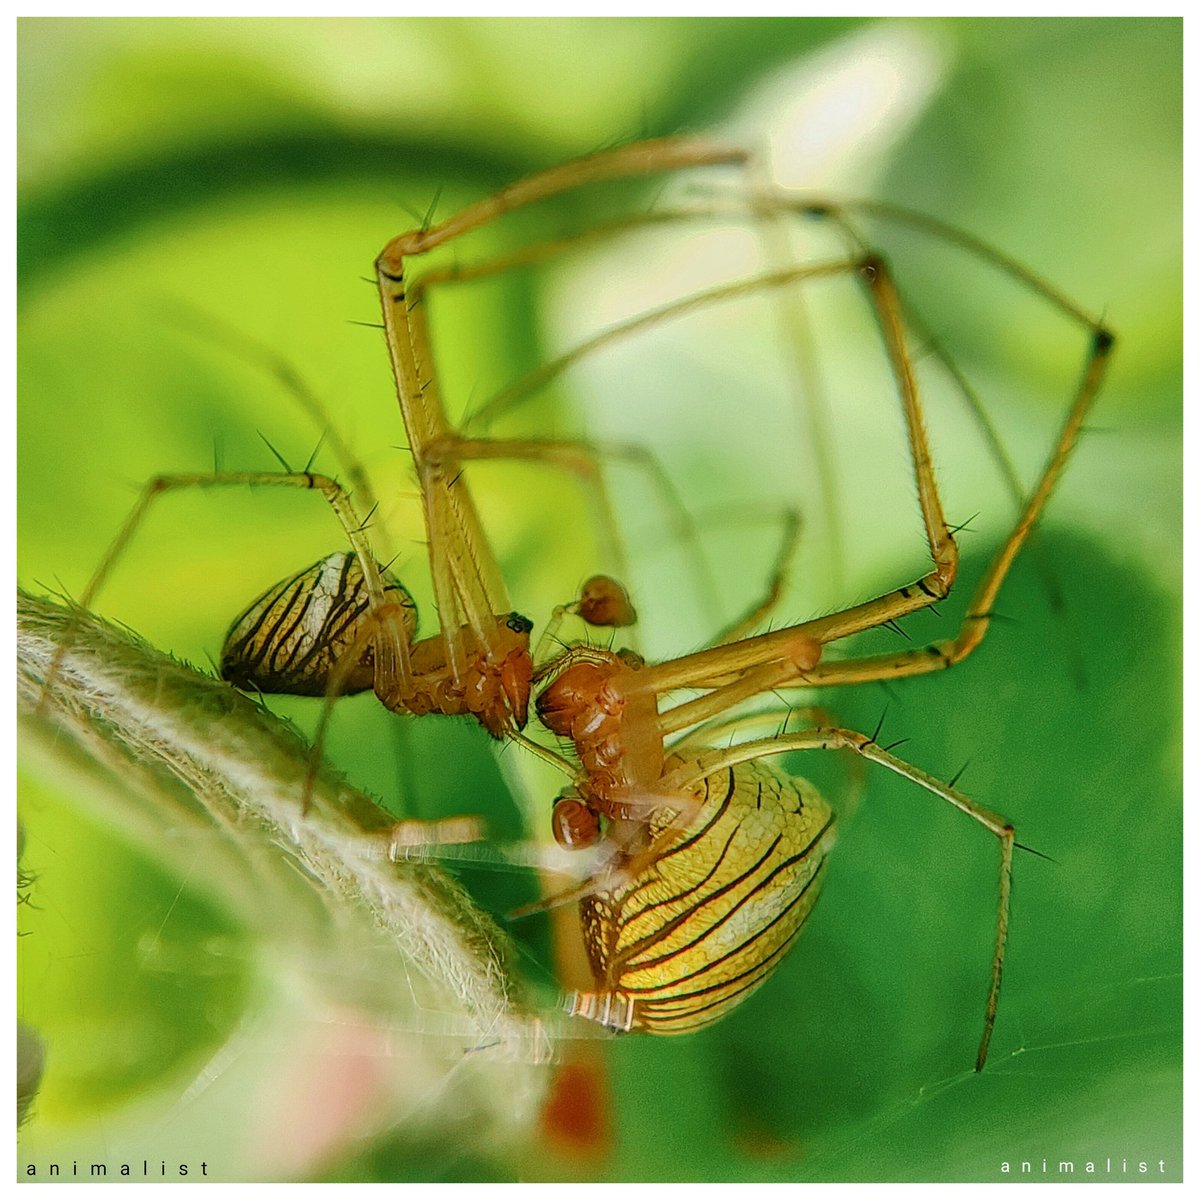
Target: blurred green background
<point>176,173</point>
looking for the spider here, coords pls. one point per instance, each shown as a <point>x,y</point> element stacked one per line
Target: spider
<point>479,636</point>
<point>712,858</point>
<point>715,858</point>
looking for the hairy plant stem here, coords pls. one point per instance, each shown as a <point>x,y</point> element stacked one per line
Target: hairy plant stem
<point>210,784</point>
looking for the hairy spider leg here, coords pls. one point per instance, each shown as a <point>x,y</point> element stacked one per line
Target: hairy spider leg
<point>392,647</point>
<point>710,668</point>
<point>467,584</point>
<point>692,773</point>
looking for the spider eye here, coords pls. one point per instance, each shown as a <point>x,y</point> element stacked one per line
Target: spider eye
<point>518,623</point>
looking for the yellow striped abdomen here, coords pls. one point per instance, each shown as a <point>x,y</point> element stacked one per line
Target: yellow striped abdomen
<point>703,926</point>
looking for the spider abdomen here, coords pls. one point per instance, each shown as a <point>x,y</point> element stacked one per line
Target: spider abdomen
<point>701,927</point>
<point>292,638</point>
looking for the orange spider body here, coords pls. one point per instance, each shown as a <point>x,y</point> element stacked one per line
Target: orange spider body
<point>614,729</point>
<point>710,882</point>
<point>494,689</point>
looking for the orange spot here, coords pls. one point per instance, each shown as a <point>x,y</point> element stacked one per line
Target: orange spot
<point>577,1117</point>
<point>603,601</point>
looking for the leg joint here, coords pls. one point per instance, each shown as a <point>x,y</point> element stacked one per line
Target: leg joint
<point>938,583</point>
<point>873,267</point>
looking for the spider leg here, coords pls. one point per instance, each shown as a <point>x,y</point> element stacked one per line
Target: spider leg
<point>886,305</point>
<point>237,342</point>
<point>691,773</point>
<point>584,460</point>
<point>713,668</point>
<point>838,213</point>
<point>700,738</point>
<point>366,633</point>
<point>465,578</point>
<point>392,651</point>
<point>720,664</point>
<point>946,653</point>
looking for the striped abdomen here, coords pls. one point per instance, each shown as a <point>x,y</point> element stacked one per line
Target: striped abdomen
<point>294,635</point>
<point>291,639</point>
<point>706,923</point>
